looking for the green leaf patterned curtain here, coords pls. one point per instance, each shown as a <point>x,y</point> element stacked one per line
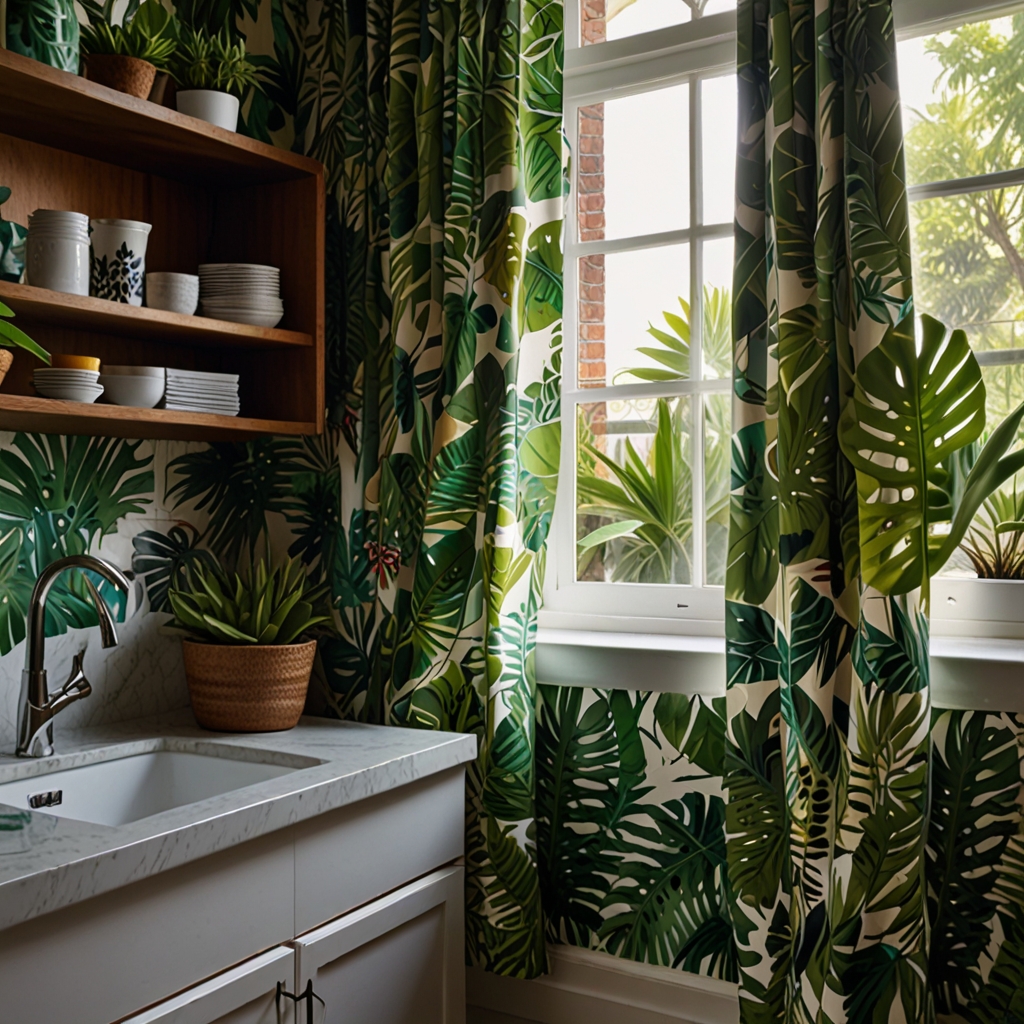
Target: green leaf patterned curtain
<point>828,705</point>
<point>448,164</point>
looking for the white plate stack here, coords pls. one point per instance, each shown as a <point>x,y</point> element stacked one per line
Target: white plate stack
<point>195,391</point>
<point>244,293</point>
<point>67,385</point>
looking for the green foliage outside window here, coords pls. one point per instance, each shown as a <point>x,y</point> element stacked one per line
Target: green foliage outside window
<point>969,249</point>
<point>645,502</point>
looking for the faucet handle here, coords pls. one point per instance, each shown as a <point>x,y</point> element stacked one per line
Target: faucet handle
<point>76,687</point>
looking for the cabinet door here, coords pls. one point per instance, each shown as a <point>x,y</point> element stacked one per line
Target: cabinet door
<point>398,960</point>
<point>246,994</point>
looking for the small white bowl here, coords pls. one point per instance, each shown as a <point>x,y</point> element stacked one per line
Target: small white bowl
<point>174,293</point>
<point>134,371</point>
<point>70,393</point>
<point>57,375</point>
<point>141,392</point>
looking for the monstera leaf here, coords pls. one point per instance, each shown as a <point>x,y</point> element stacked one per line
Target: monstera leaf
<point>911,410</point>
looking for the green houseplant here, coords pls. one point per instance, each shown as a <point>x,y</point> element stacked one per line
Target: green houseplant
<point>126,57</point>
<point>212,74</point>
<point>12,244</point>
<point>14,337</point>
<point>246,662</point>
<point>45,30</point>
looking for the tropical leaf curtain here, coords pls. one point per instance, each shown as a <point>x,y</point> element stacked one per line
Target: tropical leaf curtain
<point>441,123</point>
<point>826,764</point>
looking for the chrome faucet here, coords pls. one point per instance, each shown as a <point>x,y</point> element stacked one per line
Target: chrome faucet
<point>38,706</point>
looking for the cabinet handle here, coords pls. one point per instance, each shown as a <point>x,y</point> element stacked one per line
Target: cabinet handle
<point>307,997</point>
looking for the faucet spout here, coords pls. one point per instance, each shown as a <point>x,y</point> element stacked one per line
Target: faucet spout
<point>38,708</point>
<point>108,631</point>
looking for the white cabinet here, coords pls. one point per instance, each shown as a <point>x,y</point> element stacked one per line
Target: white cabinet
<point>398,960</point>
<point>247,994</point>
<point>391,950</point>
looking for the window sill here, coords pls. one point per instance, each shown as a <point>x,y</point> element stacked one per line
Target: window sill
<point>966,673</point>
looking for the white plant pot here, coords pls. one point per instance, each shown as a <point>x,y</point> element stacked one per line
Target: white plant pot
<point>210,105</point>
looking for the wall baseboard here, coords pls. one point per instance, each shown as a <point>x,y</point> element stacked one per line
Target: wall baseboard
<point>585,987</point>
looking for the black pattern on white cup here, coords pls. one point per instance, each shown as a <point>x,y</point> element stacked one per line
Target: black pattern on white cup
<point>118,279</point>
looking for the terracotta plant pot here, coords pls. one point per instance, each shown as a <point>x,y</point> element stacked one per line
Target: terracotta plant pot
<point>125,74</point>
<point>6,358</point>
<point>248,689</point>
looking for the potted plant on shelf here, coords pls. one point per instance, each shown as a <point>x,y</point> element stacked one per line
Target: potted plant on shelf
<point>12,244</point>
<point>126,57</point>
<point>11,336</point>
<point>246,663</point>
<point>212,74</point>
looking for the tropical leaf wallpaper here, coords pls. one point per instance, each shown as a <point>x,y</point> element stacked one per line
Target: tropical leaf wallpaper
<point>632,837</point>
<point>820,834</point>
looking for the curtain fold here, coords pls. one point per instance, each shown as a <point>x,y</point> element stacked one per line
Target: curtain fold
<point>448,239</point>
<point>826,765</point>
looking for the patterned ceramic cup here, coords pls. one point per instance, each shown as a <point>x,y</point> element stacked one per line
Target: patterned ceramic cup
<point>118,263</point>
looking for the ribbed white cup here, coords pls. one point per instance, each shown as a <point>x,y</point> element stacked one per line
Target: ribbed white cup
<point>60,264</point>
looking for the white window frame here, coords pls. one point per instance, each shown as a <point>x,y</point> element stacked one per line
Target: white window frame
<point>703,48</point>
<point>966,607</point>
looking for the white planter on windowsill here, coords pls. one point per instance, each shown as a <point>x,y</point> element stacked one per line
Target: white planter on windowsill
<point>211,105</point>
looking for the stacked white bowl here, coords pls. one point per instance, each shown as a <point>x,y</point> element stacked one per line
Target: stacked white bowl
<point>139,386</point>
<point>58,251</point>
<point>244,293</point>
<point>68,385</point>
<point>176,293</point>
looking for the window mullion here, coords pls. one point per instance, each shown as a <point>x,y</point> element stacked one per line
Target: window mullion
<point>696,339</point>
<point>564,524</point>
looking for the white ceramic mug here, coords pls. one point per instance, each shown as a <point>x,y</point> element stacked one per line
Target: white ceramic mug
<point>118,259</point>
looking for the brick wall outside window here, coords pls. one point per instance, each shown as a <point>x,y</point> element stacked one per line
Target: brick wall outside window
<point>590,187</point>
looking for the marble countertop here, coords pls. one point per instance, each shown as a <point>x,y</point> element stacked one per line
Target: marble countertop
<point>48,862</point>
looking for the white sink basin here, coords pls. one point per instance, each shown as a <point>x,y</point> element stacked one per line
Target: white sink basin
<point>115,792</point>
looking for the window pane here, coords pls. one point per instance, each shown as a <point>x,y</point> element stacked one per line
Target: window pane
<point>601,20</point>
<point>718,129</point>
<point>956,88</point>
<point>717,441</point>
<point>969,262</point>
<point>634,168</point>
<point>634,492</point>
<point>634,316</point>
<point>717,309</point>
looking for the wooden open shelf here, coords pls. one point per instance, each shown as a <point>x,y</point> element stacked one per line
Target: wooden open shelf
<point>58,309</point>
<point>212,197</point>
<point>42,104</point>
<point>47,415</point>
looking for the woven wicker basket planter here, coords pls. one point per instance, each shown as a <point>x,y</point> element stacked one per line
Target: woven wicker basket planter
<point>248,689</point>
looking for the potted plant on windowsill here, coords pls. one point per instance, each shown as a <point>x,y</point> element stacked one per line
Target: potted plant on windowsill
<point>246,663</point>
<point>126,57</point>
<point>212,74</point>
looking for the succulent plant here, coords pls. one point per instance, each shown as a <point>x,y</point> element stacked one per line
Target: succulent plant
<point>205,61</point>
<point>267,606</point>
<point>147,31</point>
